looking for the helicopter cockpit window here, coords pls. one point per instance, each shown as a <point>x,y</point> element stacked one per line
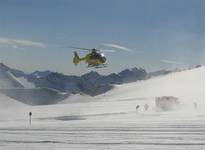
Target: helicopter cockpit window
<point>102,55</point>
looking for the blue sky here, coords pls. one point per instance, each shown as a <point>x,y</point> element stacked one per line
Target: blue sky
<point>36,34</point>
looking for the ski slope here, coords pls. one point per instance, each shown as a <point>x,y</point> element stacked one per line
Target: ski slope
<point>110,121</point>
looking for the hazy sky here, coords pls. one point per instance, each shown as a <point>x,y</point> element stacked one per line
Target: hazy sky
<point>36,34</point>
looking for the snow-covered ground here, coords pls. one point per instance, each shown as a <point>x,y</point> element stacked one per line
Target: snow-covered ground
<point>110,120</point>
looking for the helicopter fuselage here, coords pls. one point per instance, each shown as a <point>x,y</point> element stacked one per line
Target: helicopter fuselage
<point>93,59</point>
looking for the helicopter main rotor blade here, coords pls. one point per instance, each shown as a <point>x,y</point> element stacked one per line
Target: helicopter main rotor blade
<point>90,49</point>
<point>80,48</point>
<point>106,50</point>
<point>118,47</point>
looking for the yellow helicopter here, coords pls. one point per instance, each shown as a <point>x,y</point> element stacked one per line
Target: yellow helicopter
<point>94,58</point>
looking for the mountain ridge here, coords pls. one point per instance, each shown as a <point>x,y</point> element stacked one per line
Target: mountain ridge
<point>54,83</point>
<point>89,83</point>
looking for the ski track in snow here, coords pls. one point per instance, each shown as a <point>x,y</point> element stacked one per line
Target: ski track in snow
<point>151,133</point>
<point>101,130</point>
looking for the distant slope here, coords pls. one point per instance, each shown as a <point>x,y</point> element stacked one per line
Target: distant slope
<point>8,77</point>
<point>6,102</point>
<point>189,85</point>
<point>15,72</point>
<point>39,96</point>
<point>23,81</point>
<point>7,81</point>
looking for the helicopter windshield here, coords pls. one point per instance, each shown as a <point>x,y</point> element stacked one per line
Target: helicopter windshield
<point>102,55</point>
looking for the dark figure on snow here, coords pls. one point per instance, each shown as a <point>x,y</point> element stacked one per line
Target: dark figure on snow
<point>30,114</point>
<point>137,107</point>
<point>195,105</point>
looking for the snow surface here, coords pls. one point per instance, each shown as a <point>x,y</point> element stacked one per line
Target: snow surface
<point>110,121</point>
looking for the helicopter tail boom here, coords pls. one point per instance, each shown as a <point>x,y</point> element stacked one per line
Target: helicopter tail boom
<point>77,59</point>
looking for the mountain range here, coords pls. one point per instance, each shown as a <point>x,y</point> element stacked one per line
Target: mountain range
<point>47,87</point>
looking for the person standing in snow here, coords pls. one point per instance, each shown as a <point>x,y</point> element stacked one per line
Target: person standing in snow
<point>137,108</point>
<point>30,114</point>
<point>195,105</point>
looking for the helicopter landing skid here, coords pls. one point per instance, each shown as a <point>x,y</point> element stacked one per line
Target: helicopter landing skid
<point>98,66</point>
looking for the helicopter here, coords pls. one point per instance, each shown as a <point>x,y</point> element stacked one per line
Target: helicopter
<point>95,58</point>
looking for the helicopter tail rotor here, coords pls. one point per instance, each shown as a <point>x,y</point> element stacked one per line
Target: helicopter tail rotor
<point>76,58</point>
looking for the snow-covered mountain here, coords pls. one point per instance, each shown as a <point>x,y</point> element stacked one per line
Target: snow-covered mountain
<point>41,74</point>
<point>13,78</point>
<point>15,85</point>
<point>22,86</point>
<point>91,83</point>
<point>15,72</point>
<point>8,81</point>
